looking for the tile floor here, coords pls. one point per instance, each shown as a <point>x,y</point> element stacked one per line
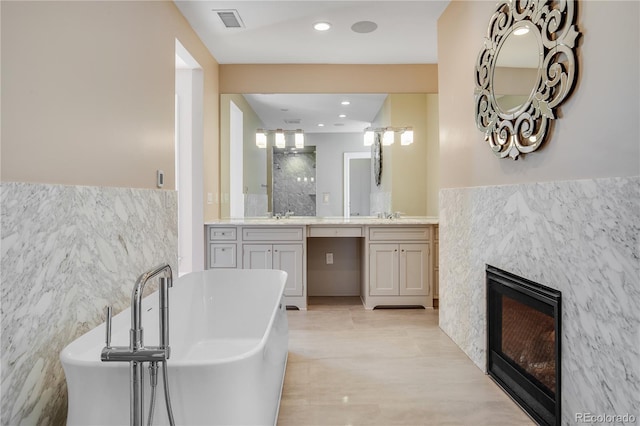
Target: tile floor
<point>349,366</point>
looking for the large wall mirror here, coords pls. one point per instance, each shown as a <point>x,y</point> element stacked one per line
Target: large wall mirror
<point>332,175</point>
<point>525,70</point>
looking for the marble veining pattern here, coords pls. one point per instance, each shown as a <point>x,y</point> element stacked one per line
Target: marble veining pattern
<point>580,237</point>
<point>294,186</point>
<point>68,251</point>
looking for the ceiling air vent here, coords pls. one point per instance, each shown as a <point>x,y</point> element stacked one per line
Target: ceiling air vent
<point>230,18</point>
<point>292,120</point>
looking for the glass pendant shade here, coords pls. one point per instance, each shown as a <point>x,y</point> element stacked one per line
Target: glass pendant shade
<point>368,138</point>
<point>406,138</point>
<point>388,137</point>
<point>299,139</point>
<point>261,139</point>
<point>280,140</point>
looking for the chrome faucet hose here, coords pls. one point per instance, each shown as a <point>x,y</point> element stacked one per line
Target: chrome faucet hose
<point>167,397</point>
<point>153,381</point>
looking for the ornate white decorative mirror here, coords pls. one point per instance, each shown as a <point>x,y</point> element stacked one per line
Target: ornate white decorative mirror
<point>525,70</point>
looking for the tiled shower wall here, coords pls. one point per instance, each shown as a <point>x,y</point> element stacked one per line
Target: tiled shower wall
<point>580,237</point>
<point>294,183</point>
<point>67,252</point>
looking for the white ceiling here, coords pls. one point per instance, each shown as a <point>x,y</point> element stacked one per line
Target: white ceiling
<point>281,32</point>
<point>316,109</point>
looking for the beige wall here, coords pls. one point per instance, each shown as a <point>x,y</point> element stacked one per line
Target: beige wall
<point>597,133</point>
<point>432,162</point>
<point>410,172</point>
<point>88,93</point>
<point>254,158</point>
<point>312,78</point>
<point>409,179</point>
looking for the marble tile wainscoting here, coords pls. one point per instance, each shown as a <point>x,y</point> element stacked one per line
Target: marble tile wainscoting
<point>67,252</point>
<point>580,237</point>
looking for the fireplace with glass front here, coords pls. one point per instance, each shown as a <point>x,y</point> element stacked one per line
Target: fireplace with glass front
<point>523,342</point>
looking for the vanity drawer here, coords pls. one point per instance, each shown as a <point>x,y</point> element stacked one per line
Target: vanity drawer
<point>222,255</point>
<point>335,231</point>
<point>275,233</point>
<point>218,234</point>
<point>398,233</point>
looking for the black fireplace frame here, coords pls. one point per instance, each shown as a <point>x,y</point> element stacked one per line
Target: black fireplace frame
<point>541,404</point>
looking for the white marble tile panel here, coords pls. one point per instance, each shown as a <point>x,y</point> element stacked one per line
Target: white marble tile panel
<point>68,251</point>
<point>580,237</point>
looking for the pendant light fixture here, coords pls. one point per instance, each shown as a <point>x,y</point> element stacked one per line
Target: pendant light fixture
<point>388,135</point>
<point>280,137</point>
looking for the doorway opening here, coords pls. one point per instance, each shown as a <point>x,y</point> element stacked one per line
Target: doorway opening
<point>357,184</point>
<point>189,117</point>
<point>236,170</point>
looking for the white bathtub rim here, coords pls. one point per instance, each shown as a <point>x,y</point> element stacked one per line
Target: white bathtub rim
<point>67,354</point>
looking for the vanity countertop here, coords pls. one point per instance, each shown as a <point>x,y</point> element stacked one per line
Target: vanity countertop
<point>310,220</point>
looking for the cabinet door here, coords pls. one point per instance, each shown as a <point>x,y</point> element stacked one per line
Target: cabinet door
<point>256,256</point>
<point>414,269</point>
<point>222,255</point>
<point>383,269</point>
<point>288,258</point>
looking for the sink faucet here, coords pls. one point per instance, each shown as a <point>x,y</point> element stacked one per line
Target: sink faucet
<point>136,353</point>
<point>288,214</point>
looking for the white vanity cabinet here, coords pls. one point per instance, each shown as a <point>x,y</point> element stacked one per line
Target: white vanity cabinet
<point>285,257</point>
<point>222,247</point>
<point>396,260</point>
<point>262,247</point>
<point>398,267</point>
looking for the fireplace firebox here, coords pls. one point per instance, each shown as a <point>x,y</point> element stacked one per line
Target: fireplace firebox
<point>523,342</point>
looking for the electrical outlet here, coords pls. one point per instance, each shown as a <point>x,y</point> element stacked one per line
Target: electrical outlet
<point>329,258</point>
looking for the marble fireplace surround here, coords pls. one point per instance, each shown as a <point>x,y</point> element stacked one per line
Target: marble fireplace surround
<point>580,237</point>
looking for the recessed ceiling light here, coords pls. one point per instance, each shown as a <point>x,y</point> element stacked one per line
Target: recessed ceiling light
<point>342,115</point>
<point>364,27</point>
<point>345,103</point>
<point>320,125</point>
<point>321,26</point>
<point>521,31</point>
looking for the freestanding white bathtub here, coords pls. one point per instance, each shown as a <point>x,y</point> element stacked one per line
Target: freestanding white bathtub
<point>229,342</point>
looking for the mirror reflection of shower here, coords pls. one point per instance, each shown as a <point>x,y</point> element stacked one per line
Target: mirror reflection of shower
<point>294,181</point>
